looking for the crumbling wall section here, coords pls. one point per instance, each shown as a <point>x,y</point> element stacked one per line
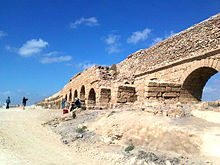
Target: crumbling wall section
<point>80,85</point>
<point>126,94</point>
<point>162,91</point>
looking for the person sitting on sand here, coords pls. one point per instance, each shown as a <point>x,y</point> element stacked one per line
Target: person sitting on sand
<point>8,101</point>
<point>77,104</point>
<point>24,102</point>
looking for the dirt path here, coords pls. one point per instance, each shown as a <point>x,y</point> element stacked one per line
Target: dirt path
<point>23,141</point>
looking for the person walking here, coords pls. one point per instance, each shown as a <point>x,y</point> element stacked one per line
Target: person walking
<point>24,101</point>
<point>8,101</point>
<point>63,103</point>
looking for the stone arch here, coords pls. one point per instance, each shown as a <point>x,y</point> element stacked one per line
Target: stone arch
<point>82,93</point>
<point>70,96</point>
<point>92,97</point>
<point>211,63</point>
<point>194,82</point>
<point>75,94</point>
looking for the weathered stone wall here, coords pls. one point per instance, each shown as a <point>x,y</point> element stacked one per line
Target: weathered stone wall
<point>126,94</point>
<point>190,75</point>
<point>87,85</point>
<point>175,69</point>
<point>195,40</point>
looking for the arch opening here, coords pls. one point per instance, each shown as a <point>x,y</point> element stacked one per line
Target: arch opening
<point>82,93</point>
<point>92,97</point>
<point>211,91</point>
<point>75,94</point>
<point>70,96</point>
<point>193,85</point>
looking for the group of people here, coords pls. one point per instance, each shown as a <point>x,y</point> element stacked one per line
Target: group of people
<point>24,102</point>
<point>74,105</point>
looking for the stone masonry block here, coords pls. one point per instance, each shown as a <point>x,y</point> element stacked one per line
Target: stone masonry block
<point>168,89</point>
<point>163,84</point>
<point>175,89</point>
<point>155,89</point>
<point>153,94</point>
<point>170,94</point>
<point>206,62</point>
<point>211,62</point>
<point>152,84</point>
<point>218,67</point>
<point>215,63</point>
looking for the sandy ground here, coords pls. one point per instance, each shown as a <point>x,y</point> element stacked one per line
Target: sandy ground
<point>47,137</point>
<point>192,139</point>
<point>24,141</point>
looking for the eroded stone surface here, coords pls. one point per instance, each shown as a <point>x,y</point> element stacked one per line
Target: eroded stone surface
<point>175,69</point>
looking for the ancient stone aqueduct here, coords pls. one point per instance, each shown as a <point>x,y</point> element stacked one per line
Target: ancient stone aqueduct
<point>175,69</point>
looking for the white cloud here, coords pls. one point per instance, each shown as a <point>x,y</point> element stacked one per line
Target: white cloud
<point>169,35</point>
<point>6,93</point>
<point>48,60</point>
<point>156,40</point>
<point>69,64</point>
<point>11,49</point>
<point>86,65</point>
<point>111,39</point>
<point>138,36</point>
<point>217,81</point>
<point>112,49</point>
<point>3,34</point>
<point>17,95</point>
<point>32,47</point>
<point>92,21</point>
<point>159,39</point>
<point>52,53</point>
<point>211,93</point>
<point>113,44</point>
<point>209,89</point>
<point>19,90</point>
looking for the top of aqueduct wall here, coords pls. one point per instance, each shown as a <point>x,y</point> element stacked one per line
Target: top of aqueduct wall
<point>198,39</point>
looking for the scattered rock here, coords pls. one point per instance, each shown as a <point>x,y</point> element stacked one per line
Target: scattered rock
<point>167,162</point>
<point>79,136</point>
<point>65,142</point>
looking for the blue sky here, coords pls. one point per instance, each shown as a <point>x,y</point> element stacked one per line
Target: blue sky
<point>43,43</point>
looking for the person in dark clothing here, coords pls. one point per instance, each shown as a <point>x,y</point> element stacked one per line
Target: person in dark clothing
<point>75,105</point>
<point>8,101</point>
<point>24,102</point>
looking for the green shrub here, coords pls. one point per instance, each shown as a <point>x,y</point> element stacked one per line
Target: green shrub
<point>81,130</point>
<point>129,148</point>
<point>112,112</point>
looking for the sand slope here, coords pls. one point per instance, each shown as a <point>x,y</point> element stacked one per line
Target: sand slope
<point>24,141</point>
